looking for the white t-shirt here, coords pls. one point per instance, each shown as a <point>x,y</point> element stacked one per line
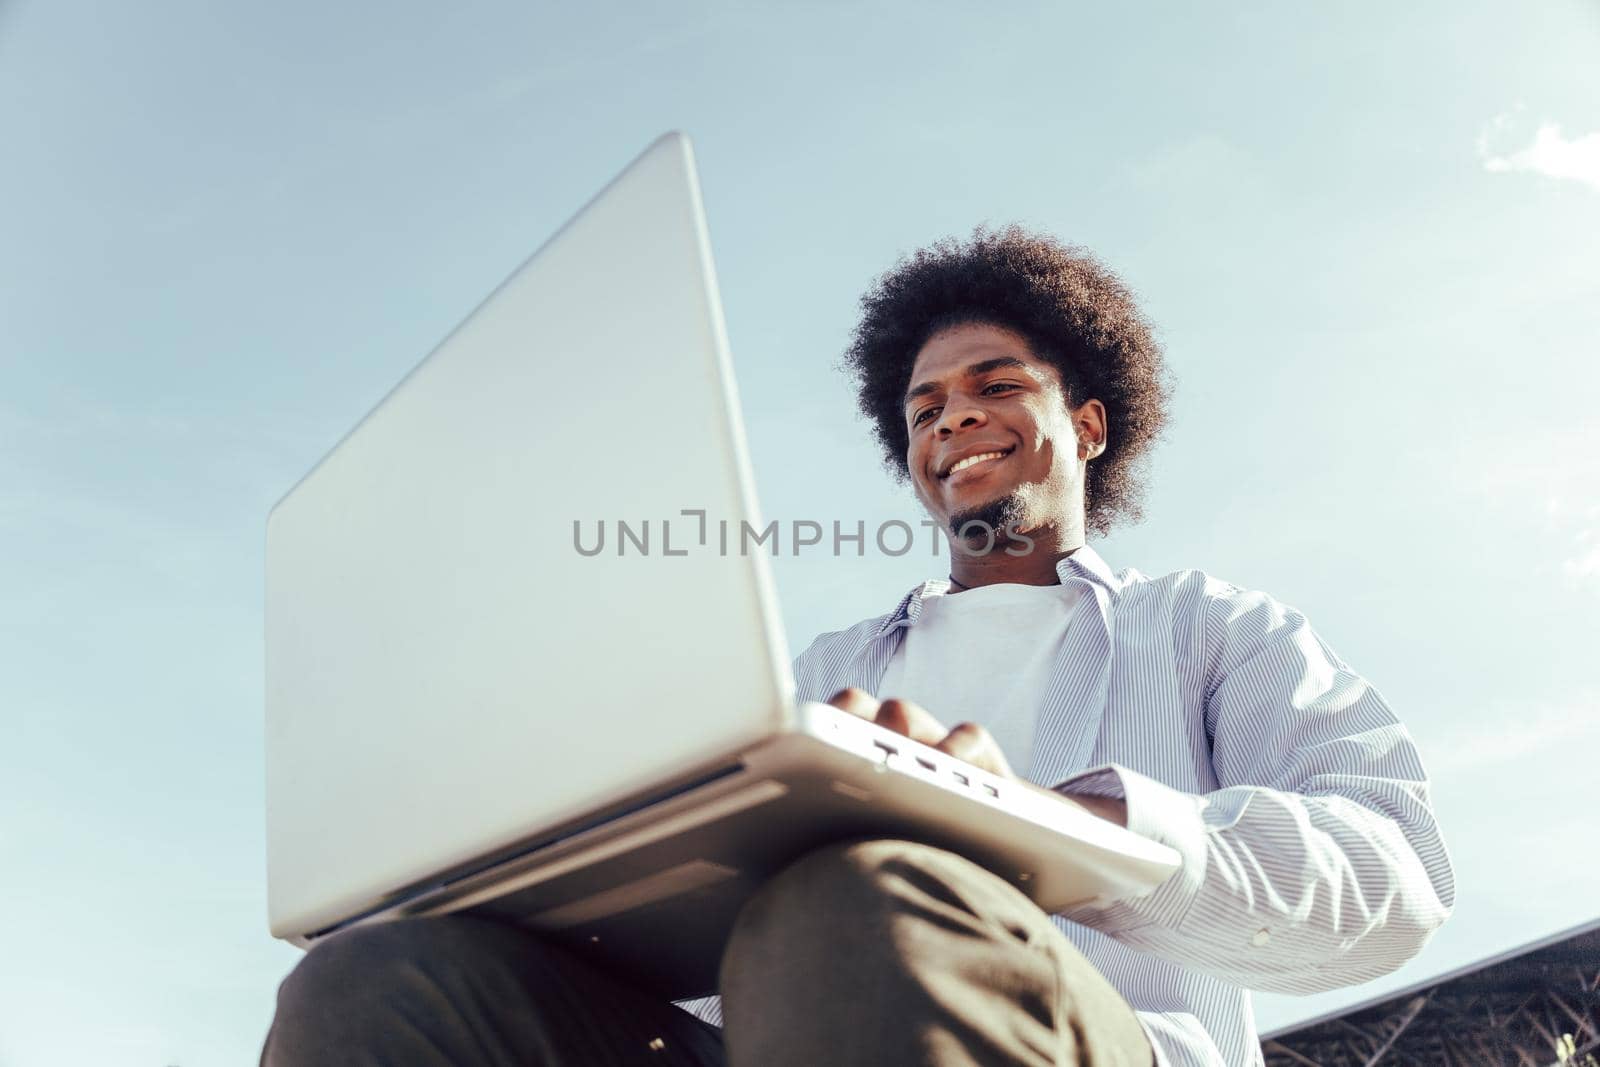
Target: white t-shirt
<point>984,655</point>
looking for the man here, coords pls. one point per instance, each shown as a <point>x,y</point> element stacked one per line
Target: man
<point>1014,383</point>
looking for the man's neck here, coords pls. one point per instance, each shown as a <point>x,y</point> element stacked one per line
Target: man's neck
<point>1036,566</point>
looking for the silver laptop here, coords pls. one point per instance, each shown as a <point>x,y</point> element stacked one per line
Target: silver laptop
<point>465,711</point>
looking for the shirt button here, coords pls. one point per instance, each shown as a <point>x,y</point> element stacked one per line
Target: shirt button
<point>1261,937</point>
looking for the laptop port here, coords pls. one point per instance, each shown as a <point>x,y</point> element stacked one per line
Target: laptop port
<point>888,749</point>
<point>963,779</point>
<point>926,764</point>
<point>991,790</point>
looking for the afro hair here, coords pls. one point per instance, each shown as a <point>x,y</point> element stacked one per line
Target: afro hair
<point>1073,312</point>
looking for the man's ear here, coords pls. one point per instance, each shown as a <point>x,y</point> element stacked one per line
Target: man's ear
<point>1090,424</point>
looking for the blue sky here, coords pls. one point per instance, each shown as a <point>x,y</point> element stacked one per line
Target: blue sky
<point>1365,234</point>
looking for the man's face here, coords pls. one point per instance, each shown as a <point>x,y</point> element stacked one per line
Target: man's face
<point>991,436</point>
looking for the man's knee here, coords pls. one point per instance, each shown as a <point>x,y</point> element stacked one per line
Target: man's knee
<point>873,930</point>
<point>371,978</point>
<point>875,877</point>
<point>459,989</point>
<point>355,964</point>
<point>862,872</point>
<point>861,898</point>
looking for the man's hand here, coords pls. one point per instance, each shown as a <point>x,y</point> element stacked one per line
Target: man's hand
<point>967,741</point>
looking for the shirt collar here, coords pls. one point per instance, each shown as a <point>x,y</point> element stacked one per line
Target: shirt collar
<point>1086,563</point>
<point>1083,565</point>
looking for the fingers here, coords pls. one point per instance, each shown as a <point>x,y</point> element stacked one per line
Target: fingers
<point>902,716</point>
<point>968,741</point>
<point>857,702</point>
<point>895,714</point>
<point>972,743</point>
<point>911,719</point>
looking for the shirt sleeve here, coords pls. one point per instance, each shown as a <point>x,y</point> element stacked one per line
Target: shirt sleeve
<point>1318,862</point>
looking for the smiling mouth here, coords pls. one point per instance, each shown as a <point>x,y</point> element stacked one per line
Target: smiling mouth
<point>973,461</point>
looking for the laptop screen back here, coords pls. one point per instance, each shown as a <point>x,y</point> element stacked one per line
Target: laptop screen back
<point>446,672</point>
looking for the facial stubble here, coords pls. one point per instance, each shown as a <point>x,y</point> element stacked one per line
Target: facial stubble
<point>983,526</point>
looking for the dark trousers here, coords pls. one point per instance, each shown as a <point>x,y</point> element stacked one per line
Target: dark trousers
<point>871,953</point>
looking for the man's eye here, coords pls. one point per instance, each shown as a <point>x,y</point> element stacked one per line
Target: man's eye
<point>924,413</point>
<point>998,385</point>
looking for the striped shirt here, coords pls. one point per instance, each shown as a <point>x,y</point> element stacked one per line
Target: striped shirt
<point>1311,856</point>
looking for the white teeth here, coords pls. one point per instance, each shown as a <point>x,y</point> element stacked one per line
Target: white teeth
<point>970,460</point>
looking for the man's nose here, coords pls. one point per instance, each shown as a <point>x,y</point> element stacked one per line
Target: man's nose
<point>960,414</point>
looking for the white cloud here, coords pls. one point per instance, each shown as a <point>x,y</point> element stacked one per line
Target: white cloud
<point>1579,520</point>
<point>1584,565</point>
<point>1551,153</point>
